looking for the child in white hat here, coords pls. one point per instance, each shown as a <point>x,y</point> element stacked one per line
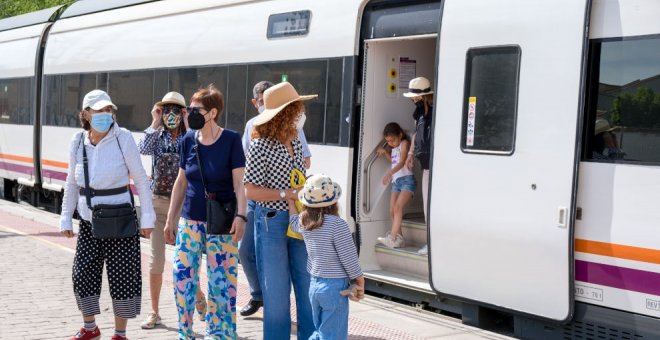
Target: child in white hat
<point>332,256</point>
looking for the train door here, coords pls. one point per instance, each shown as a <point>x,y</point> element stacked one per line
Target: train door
<point>388,66</point>
<point>503,173</point>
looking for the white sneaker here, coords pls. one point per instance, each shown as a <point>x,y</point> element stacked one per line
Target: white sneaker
<point>385,240</point>
<point>399,242</point>
<point>424,250</point>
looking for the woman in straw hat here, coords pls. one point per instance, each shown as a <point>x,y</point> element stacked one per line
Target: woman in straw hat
<point>274,153</point>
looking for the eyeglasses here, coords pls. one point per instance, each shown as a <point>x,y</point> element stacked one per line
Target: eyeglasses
<point>174,109</point>
<point>196,109</point>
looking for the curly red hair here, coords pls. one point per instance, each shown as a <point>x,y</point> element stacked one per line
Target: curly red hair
<point>282,127</point>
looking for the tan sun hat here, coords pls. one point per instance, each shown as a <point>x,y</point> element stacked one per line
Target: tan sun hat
<point>418,87</point>
<point>173,98</point>
<point>319,191</point>
<point>603,126</point>
<point>276,98</point>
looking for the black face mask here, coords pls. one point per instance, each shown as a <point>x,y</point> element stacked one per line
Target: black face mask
<point>196,120</point>
<point>419,105</point>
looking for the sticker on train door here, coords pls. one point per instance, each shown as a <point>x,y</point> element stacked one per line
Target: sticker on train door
<point>472,113</point>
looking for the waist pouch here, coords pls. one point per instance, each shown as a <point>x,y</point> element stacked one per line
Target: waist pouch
<point>219,216</point>
<point>111,221</point>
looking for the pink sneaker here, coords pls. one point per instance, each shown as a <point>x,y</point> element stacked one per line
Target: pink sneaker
<point>119,337</point>
<point>86,335</point>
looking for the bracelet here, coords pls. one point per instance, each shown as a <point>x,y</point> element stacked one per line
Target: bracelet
<point>242,217</point>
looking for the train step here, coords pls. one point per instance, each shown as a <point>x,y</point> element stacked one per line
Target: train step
<point>403,260</point>
<point>401,280</point>
<point>414,231</point>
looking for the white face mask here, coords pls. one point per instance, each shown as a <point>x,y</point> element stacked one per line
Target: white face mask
<point>301,121</point>
<point>261,109</point>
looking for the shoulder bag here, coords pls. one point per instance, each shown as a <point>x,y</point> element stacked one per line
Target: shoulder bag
<point>110,221</point>
<point>219,215</point>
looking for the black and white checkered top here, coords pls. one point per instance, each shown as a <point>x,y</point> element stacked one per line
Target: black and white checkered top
<point>269,164</point>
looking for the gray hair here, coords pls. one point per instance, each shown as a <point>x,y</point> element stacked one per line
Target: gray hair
<point>260,87</point>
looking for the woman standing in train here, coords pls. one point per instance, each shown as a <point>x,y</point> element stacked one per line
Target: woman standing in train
<point>101,159</point>
<point>211,167</point>
<point>419,91</point>
<point>274,153</point>
<point>161,141</point>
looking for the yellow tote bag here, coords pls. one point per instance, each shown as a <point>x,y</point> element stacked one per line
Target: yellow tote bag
<point>297,181</point>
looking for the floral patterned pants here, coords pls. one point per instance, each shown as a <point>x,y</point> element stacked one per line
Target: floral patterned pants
<point>222,268</point>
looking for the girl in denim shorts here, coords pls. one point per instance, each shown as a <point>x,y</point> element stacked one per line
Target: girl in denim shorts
<point>403,181</point>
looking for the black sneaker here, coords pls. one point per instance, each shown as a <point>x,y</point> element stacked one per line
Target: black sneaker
<point>251,308</point>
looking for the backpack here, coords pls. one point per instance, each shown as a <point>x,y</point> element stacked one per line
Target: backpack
<point>166,168</point>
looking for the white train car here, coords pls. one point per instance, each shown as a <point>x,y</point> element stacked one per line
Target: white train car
<point>534,227</point>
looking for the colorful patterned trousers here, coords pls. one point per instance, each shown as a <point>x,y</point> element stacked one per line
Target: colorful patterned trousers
<point>222,268</point>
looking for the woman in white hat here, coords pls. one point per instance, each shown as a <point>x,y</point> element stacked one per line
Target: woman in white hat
<point>274,153</point>
<point>161,141</point>
<point>419,91</point>
<point>101,159</point>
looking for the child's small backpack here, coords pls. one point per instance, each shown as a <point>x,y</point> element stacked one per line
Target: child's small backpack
<point>166,168</point>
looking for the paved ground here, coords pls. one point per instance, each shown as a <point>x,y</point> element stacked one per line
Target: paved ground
<point>36,296</point>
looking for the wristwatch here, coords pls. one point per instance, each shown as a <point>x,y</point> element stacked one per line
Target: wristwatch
<point>282,194</point>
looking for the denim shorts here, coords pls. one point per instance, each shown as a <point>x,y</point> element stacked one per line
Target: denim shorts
<point>405,183</point>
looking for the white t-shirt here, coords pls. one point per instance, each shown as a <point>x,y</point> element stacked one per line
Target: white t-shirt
<point>396,159</point>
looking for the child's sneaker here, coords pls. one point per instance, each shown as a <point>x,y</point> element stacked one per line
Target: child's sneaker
<point>424,250</point>
<point>87,335</point>
<point>387,241</point>
<point>119,337</point>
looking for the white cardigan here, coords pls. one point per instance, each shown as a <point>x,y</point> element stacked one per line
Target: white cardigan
<point>107,170</point>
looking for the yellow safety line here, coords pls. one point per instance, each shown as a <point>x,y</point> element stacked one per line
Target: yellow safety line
<point>50,243</point>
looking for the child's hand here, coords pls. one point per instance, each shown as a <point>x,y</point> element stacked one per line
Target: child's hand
<point>353,293</point>
<point>381,152</point>
<point>387,178</point>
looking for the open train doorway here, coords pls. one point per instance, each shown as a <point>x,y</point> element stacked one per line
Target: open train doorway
<point>388,66</point>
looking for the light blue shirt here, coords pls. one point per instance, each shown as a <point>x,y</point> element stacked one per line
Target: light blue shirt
<point>248,131</point>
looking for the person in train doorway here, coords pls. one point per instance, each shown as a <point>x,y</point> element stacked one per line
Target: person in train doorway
<point>102,158</point>
<point>246,251</point>
<point>276,153</point>
<point>211,168</point>
<point>419,91</point>
<point>161,141</point>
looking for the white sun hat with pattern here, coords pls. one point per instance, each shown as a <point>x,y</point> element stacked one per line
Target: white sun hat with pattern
<point>319,191</point>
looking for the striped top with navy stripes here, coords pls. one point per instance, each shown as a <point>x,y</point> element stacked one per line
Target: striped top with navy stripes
<point>330,248</point>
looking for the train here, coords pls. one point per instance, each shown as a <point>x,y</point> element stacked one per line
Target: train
<point>535,227</point>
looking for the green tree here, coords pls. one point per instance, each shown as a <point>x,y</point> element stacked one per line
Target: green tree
<point>640,109</point>
<point>10,8</point>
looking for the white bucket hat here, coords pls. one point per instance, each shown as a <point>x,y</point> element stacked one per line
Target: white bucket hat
<point>96,100</point>
<point>319,191</point>
<point>173,98</point>
<point>418,87</point>
<point>276,98</point>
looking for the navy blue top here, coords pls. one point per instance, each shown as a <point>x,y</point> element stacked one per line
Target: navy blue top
<point>218,161</point>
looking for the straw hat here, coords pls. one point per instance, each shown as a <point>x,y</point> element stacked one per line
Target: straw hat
<point>418,87</point>
<point>603,126</point>
<point>319,191</point>
<point>276,98</point>
<point>173,98</point>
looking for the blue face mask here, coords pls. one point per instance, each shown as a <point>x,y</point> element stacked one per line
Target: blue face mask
<point>101,121</point>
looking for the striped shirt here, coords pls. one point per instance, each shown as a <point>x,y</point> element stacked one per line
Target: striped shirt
<point>330,248</point>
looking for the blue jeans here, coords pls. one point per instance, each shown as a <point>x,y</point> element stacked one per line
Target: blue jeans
<point>405,183</point>
<point>281,260</point>
<point>329,309</point>
<point>248,256</point>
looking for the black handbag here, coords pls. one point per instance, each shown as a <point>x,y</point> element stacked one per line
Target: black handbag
<point>110,221</point>
<point>219,214</point>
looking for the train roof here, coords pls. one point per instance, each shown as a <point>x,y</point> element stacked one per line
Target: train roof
<point>29,19</point>
<point>82,7</point>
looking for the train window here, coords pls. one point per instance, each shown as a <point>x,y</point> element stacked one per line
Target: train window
<point>308,77</point>
<point>623,110</point>
<point>132,93</point>
<point>236,98</point>
<point>288,24</point>
<point>15,101</point>
<point>490,100</point>
<point>333,102</point>
<point>63,95</point>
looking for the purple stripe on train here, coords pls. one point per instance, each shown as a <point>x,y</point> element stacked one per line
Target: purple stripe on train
<point>28,170</point>
<point>617,277</point>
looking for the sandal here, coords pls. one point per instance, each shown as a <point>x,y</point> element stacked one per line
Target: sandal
<point>201,309</point>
